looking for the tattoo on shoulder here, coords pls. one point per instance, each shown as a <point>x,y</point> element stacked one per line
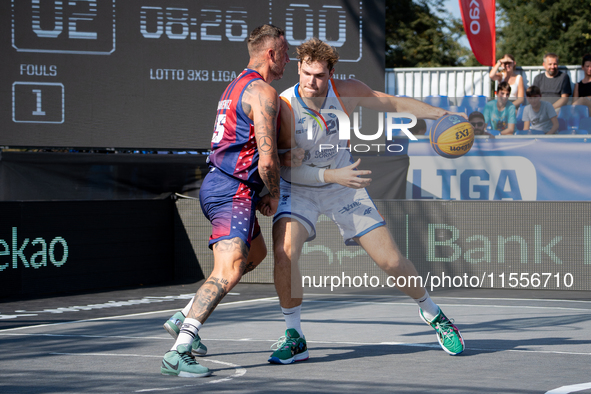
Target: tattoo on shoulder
<point>270,106</point>
<point>246,107</point>
<point>246,99</point>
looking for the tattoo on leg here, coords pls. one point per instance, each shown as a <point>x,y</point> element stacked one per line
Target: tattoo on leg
<point>246,268</point>
<point>230,245</point>
<point>208,297</point>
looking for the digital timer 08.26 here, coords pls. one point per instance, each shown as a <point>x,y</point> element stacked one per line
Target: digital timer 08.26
<point>147,74</point>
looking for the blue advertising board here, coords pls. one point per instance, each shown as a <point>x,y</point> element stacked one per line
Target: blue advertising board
<point>515,168</point>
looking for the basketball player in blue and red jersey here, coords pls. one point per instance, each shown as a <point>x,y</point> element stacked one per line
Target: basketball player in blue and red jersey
<point>243,160</point>
<point>329,183</point>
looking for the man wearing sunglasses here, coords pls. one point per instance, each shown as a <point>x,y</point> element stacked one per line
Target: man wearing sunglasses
<point>476,119</point>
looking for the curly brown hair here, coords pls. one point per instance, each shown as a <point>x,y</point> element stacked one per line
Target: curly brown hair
<point>316,50</point>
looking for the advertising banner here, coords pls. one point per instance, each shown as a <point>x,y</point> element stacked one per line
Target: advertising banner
<point>513,169</point>
<point>479,23</point>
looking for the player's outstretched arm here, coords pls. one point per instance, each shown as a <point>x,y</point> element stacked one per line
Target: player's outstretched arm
<point>379,101</point>
<point>263,104</point>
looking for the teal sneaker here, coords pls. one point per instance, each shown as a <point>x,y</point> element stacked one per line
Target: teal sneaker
<point>289,348</point>
<point>173,327</point>
<point>448,335</point>
<point>180,362</point>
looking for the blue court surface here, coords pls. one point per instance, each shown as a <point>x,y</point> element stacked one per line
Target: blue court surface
<point>113,342</point>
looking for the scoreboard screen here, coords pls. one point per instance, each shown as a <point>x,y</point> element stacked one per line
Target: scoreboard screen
<point>149,73</point>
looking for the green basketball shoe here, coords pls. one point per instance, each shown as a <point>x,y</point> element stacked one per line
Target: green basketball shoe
<point>173,327</point>
<point>289,348</point>
<point>448,335</point>
<point>180,362</point>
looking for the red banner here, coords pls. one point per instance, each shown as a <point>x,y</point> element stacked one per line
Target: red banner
<point>479,23</point>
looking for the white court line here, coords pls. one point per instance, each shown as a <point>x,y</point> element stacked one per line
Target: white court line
<point>240,371</point>
<point>450,305</point>
<point>515,299</point>
<point>5,332</point>
<point>134,314</point>
<point>451,298</point>
<point>307,301</point>
<point>570,389</point>
<point>410,344</point>
<point>268,299</point>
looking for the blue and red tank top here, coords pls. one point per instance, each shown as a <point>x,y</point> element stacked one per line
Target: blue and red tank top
<point>233,146</point>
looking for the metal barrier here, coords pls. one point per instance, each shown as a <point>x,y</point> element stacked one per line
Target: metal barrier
<point>457,81</point>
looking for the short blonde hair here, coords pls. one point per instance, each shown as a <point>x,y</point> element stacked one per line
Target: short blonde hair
<point>316,50</point>
<point>263,37</point>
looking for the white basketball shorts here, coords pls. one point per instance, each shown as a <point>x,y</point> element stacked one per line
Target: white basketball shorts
<point>352,210</point>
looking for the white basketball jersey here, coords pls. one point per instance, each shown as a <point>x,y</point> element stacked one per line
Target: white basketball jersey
<point>321,149</point>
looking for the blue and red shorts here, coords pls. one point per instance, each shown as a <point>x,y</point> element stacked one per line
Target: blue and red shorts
<point>230,206</point>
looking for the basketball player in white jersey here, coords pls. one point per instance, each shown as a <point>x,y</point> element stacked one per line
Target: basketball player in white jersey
<point>326,182</point>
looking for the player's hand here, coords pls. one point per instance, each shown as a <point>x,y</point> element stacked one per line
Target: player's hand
<point>462,114</point>
<point>268,205</point>
<point>292,158</point>
<point>348,176</point>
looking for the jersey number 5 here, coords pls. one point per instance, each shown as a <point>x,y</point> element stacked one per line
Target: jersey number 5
<point>218,133</point>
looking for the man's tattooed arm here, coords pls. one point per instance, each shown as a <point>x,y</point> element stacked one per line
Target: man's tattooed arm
<point>263,102</point>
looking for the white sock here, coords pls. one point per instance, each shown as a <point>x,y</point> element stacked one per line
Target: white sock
<point>292,318</point>
<point>429,308</point>
<point>188,332</point>
<point>187,308</point>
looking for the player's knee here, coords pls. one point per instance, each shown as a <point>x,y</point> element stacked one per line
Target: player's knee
<point>282,257</point>
<point>392,263</point>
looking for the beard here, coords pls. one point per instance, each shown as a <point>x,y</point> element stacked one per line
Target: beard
<point>277,72</point>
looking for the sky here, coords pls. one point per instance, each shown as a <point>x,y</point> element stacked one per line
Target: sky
<point>453,6</point>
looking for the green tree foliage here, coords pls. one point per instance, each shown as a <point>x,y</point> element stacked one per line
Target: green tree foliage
<point>529,28</point>
<point>421,33</point>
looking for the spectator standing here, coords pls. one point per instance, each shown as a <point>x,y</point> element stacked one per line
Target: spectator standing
<point>500,113</point>
<point>539,115</point>
<point>504,71</point>
<point>553,83</point>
